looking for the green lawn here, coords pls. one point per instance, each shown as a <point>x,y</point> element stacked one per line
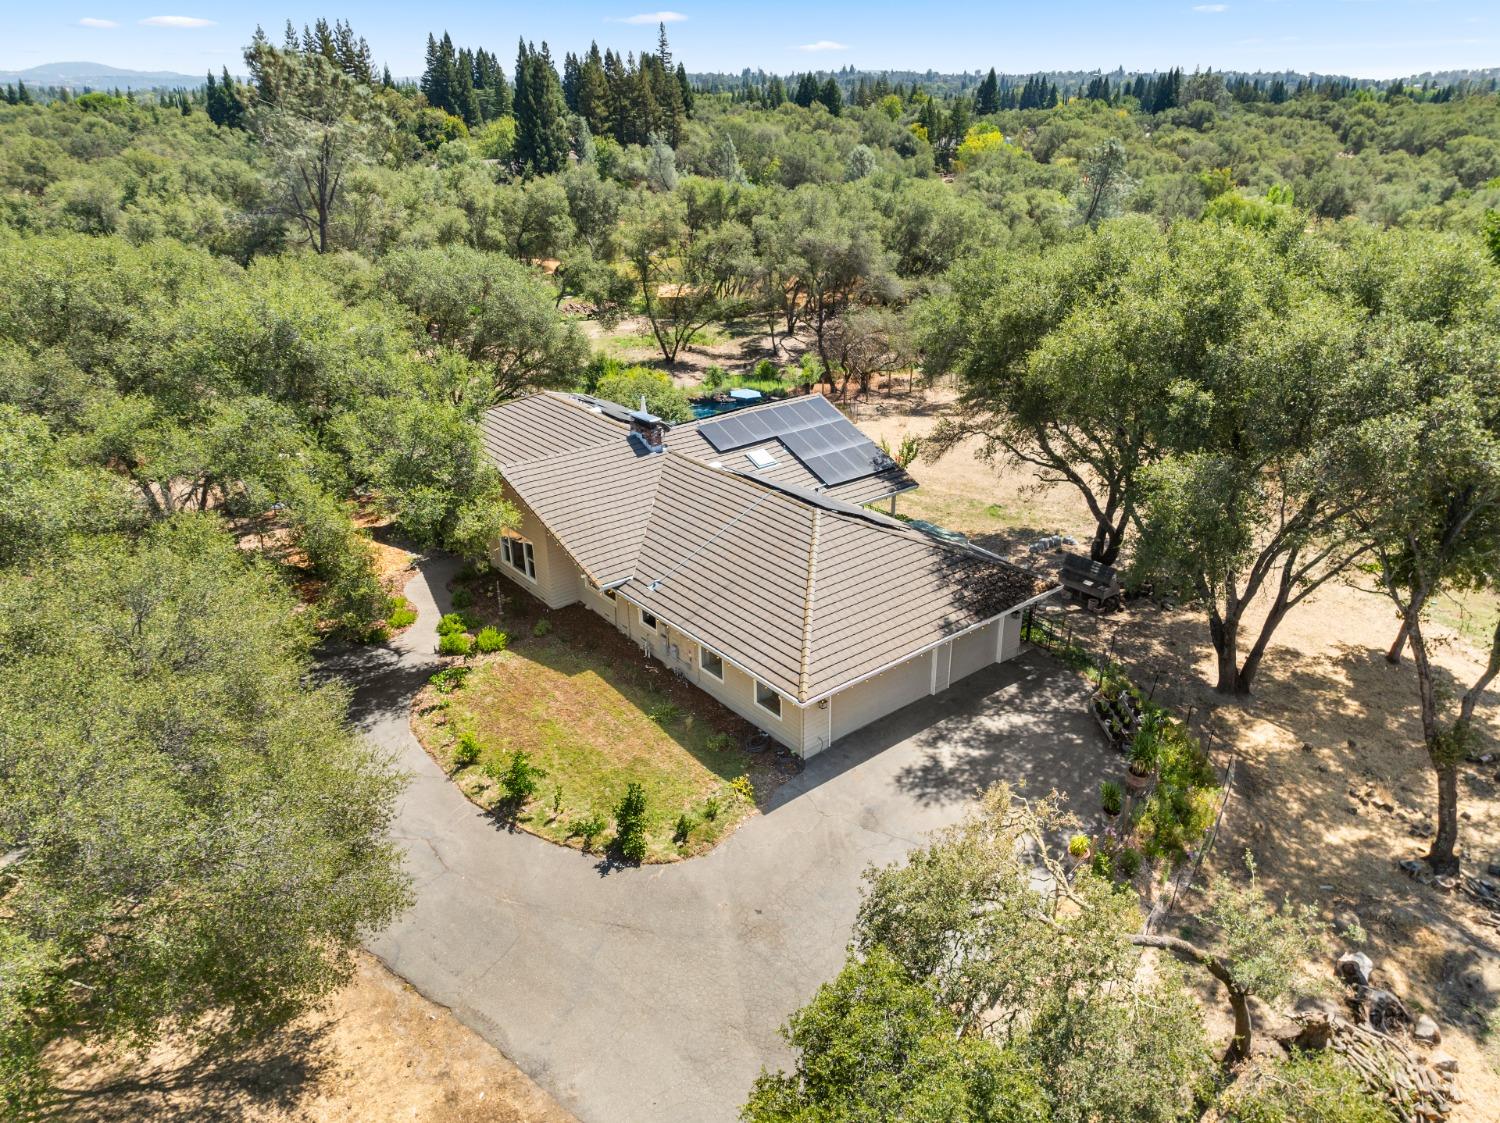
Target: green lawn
<point>595,716</point>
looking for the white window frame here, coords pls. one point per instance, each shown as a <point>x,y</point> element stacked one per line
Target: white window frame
<point>773,692</point>
<point>519,554</point>
<point>705,668</point>
<point>648,619</point>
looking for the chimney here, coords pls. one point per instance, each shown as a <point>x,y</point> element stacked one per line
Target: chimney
<point>648,428</point>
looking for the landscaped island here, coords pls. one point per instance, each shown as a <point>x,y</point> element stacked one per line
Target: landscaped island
<point>590,717</point>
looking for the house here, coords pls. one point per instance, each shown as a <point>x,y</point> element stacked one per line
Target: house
<point>740,551</point>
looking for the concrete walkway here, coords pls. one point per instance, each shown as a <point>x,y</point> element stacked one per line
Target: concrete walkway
<point>655,994</point>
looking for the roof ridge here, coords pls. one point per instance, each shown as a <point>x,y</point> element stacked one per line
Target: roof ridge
<point>803,684</point>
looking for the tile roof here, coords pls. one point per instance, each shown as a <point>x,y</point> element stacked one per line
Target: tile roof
<point>802,588</point>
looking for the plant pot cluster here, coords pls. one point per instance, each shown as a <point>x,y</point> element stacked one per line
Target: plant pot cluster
<point>1118,712</point>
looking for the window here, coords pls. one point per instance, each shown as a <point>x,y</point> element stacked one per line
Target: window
<point>517,553</point>
<point>711,663</point>
<point>766,698</point>
<point>647,620</point>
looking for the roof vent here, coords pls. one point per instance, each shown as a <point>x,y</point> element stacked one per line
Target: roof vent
<point>649,429</point>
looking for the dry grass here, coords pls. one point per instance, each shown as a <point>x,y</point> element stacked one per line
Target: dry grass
<point>378,1053</point>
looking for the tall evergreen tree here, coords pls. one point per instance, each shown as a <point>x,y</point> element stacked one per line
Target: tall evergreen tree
<point>987,97</point>
<point>542,135</point>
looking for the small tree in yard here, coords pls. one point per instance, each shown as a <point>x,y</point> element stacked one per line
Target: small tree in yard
<point>520,778</point>
<point>630,823</point>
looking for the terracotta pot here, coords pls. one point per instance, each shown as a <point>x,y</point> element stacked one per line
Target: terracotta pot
<point>1134,784</point>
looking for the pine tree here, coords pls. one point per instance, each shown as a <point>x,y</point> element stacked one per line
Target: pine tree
<point>831,97</point>
<point>987,98</point>
<point>23,95</point>
<point>465,102</point>
<point>542,135</point>
<point>593,92</point>
<point>807,91</point>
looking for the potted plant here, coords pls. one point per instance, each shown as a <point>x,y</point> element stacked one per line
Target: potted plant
<point>1112,796</point>
<point>1144,751</point>
<point>1078,847</point>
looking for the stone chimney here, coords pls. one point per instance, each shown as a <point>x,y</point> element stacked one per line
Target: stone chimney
<point>649,429</point>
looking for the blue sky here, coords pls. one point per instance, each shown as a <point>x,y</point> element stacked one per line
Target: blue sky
<point>1368,38</point>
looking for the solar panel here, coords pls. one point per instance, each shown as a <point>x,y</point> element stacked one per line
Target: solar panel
<point>812,429</point>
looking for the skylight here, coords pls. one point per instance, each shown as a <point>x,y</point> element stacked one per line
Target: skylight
<point>761,458</point>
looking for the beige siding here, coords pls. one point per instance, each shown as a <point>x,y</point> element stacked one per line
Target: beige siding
<point>679,651</point>
<point>872,699</point>
<point>595,600</point>
<point>1010,636</point>
<point>557,576</point>
<point>974,651</point>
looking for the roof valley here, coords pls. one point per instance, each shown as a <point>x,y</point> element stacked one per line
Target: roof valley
<point>803,678</point>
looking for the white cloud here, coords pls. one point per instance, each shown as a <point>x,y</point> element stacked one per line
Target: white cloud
<point>651,17</point>
<point>1210,7</point>
<point>176,21</point>
<point>824,45</point>
<point>90,21</point>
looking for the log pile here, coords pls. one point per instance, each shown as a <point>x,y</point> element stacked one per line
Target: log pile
<point>1417,1089</point>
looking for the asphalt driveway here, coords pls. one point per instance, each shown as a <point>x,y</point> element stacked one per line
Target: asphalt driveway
<point>654,994</point>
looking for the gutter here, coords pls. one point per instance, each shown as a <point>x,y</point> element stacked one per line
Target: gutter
<point>929,647</point>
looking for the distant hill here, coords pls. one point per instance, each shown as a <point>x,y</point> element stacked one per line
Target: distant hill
<point>98,76</point>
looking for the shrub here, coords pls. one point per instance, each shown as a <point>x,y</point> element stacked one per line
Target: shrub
<point>714,377</point>
<point>490,640</point>
<point>1078,845</point>
<point>1112,797</point>
<point>542,627</point>
<point>1128,862</point>
<point>470,621</point>
<point>451,624</point>
<point>449,679</point>
<point>742,788</point>
<point>1101,864</point>
<point>590,827</point>
<point>375,633</point>
<point>519,780</point>
<point>557,801</point>
<point>1304,1088</point>
<point>466,752</point>
<point>462,598</point>
<point>682,830</point>
<point>711,807</point>
<point>630,823</point>
<point>456,643</point>
<point>402,614</point>
<point>720,742</point>
<point>765,370</point>
<point>663,398</point>
<point>663,713</point>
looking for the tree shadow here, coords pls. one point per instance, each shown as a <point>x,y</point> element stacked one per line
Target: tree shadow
<point>226,1083</point>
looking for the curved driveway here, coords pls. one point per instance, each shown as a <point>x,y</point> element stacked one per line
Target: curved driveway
<point>655,994</point>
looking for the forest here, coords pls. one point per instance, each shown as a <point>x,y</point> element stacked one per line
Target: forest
<point>1255,324</point>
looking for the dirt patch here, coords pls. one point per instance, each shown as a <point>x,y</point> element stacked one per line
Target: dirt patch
<point>596,715</point>
<point>379,1052</point>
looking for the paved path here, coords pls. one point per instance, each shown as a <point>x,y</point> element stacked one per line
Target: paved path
<point>655,994</point>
